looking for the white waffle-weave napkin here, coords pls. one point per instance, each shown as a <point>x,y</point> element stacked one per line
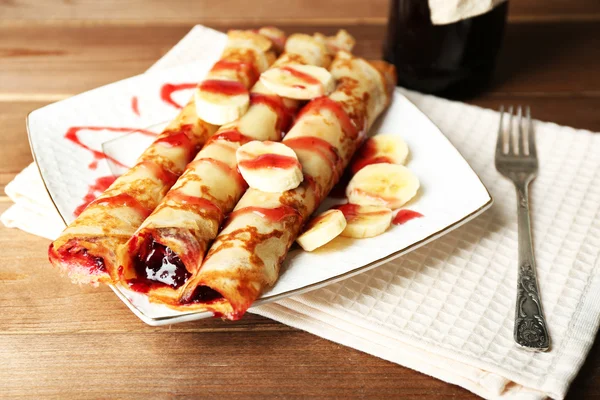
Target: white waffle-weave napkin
<point>447,308</point>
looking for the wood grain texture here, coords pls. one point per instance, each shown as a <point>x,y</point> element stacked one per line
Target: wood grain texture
<point>62,61</point>
<point>45,62</point>
<point>58,340</point>
<point>258,11</point>
<point>14,147</point>
<point>549,59</point>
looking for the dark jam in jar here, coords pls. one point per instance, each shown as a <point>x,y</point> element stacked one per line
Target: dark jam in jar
<point>454,60</point>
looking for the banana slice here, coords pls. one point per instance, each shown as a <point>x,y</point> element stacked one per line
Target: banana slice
<point>387,185</point>
<point>269,166</point>
<point>219,102</point>
<point>297,81</point>
<point>365,221</point>
<point>322,229</point>
<point>380,149</point>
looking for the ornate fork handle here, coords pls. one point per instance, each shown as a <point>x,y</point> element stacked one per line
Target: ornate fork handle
<point>530,325</point>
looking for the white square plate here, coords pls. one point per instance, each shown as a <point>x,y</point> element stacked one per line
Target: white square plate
<point>450,195</point>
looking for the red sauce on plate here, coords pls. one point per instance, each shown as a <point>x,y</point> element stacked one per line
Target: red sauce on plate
<point>270,161</point>
<point>134,106</point>
<point>99,155</point>
<point>404,216</point>
<point>94,190</point>
<point>167,90</point>
<point>227,88</point>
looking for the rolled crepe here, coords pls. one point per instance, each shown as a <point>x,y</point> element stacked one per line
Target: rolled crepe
<point>169,247</point>
<point>87,250</point>
<point>246,256</point>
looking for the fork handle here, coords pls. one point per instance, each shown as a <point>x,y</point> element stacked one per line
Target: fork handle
<point>530,325</point>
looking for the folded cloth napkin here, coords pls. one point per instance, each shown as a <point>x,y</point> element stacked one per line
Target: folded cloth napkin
<point>449,11</point>
<point>447,308</point>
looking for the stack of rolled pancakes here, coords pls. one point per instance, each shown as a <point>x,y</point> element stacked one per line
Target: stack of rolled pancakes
<point>182,225</point>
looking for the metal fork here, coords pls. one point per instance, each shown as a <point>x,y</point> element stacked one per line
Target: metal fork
<point>516,159</point>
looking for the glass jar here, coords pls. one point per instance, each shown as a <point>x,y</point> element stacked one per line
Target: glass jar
<point>454,60</point>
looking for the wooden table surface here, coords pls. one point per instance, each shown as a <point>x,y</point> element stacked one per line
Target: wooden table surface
<point>64,341</point>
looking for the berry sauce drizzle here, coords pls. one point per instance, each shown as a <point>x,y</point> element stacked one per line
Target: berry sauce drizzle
<point>94,190</point>
<point>167,90</point>
<point>404,216</point>
<point>72,136</point>
<point>135,106</point>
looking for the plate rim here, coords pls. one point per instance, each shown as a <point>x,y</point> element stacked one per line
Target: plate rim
<point>197,314</point>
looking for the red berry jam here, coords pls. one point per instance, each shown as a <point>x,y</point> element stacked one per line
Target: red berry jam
<point>158,265</point>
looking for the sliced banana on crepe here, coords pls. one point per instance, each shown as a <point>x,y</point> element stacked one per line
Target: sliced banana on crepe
<point>269,166</point>
<point>297,81</point>
<point>322,229</point>
<point>365,221</point>
<point>219,102</point>
<point>387,185</point>
<point>387,148</point>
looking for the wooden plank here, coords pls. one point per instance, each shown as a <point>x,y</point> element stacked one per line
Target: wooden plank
<point>14,146</point>
<point>259,11</point>
<point>227,365</point>
<point>549,58</point>
<point>55,62</point>
<point>577,112</point>
<point>554,10</point>
<point>62,61</point>
<point>49,61</point>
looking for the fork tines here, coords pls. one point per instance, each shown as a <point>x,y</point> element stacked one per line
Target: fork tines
<point>513,142</point>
